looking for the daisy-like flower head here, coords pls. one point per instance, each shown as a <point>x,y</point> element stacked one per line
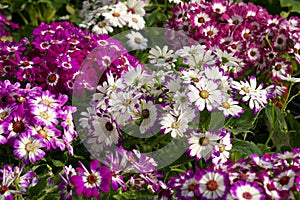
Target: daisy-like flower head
<point>205,94</point>
<point>289,78</point>
<point>18,125</point>
<point>200,19</point>
<point>135,76</point>
<point>285,180</point>
<point>202,144</point>
<point>280,68</point>
<point>213,184</point>
<point>88,182</point>
<point>221,154</point>
<point>44,115</point>
<point>7,179</point>
<point>45,98</point>
<point>136,7</point>
<point>257,97</point>
<point>136,41</point>
<point>118,15</point>
<point>269,186</point>
<point>136,21</point>
<point>162,57</point>
<point>102,27</point>
<point>253,53</point>
<point>29,148</point>
<point>65,186</point>
<point>230,107</point>
<point>245,190</point>
<point>148,114</point>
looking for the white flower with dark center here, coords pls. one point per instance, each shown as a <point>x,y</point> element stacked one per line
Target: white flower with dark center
<point>102,27</point>
<point>175,123</point>
<point>162,57</point>
<point>279,69</point>
<point>105,131</point>
<point>148,116</point>
<point>210,31</point>
<point>136,41</point>
<point>228,60</point>
<point>221,150</point>
<point>136,7</point>
<point>285,180</point>
<point>52,78</point>
<point>245,190</point>
<point>205,94</point>
<point>202,144</point>
<point>201,18</point>
<point>218,7</point>
<point>136,21</point>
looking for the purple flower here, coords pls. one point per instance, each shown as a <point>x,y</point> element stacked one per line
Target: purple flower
<point>87,183</point>
<point>247,190</point>
<point>65,186</point>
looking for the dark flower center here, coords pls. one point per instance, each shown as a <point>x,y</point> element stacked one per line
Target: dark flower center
<point>278,67</point>
<point>25,63</point>
<point>243,176</point>
<point>109,126</point>
<point>246,35</point>
<point>145,113</point>
<point>284,180</point>
<point>52,78</point>
<point>201,20</point>
<point>204,141</point>
<point>247,195</point>
<point>279,40</point>
<point>233,46</point>
<point>252,53</point>
<point>185,28</point>
<point>192,186</point>
<point>3,189</point>
<point>18,127</point>
<point>131,10</point>
<point>210,33</point>
<point>212,185</point>
<point>116,14</point>
<point>91,179</point>
<point>137,40</point>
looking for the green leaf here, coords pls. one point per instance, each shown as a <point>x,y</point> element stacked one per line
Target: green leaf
<point>272,112</point>
<point>38,189</point>
<point>293,5</point>
<point>241,124</point>
<point>58,163</point>
<point>70,9</point>
<point>245,148</point>
<point>134,194</point>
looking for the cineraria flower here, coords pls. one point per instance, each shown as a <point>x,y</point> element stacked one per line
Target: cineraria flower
<point>290,78</point>
<point>280,68</point>
<point>202,144</point>
<point>136,7</point>
<point>135,21</point>
<point>44,115</point>
<point>205,94</point>
<point>221,154</point>
<point>257,97</point>
<point>230,107</point>
<point>285,180</point>
<point>148,115</point>
<point>136,41</point>
<point>117,16</point>
<point>135,76</point>
<point>65,186</point>
<point>6,187</point>
<point>102,27</point>
<point>175,123</point>
<point>87,182</point>
<point>162,57</point>
<point>247,190</point>
<point>212,184</point>
<point>29,148</point>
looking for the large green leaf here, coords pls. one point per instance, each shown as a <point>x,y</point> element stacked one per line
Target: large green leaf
<point>293,5</point>
<point>245,148</point>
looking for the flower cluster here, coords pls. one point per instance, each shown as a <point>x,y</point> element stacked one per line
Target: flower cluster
<point>5,25</point>
<point>274,176</point>
<point>245,37</point>
<point>33,121</point>
<point>13,183</point>
<point>104,18</point>
<point>53,58</point>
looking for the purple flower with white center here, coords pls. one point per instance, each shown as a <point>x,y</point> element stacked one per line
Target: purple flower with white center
<point>29,148</point>
<point>29,179</point>
<point>45,98</point>
<point>202,144</point>
<point>3,139</point>
<point>88,182</point>
<point>205,93</point>
<point>245,190</point>
<point>269,186</point>
<point>45,115</point>
<point>257,97</point>
<point>65,186</point>
<point>18,125</point>
<point>213,184</point>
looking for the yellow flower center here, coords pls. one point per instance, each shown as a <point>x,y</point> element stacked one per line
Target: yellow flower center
<point>204,94</point>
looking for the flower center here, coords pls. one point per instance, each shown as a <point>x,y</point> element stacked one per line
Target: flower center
<point>247,195</point>
<point>204,141</point>
<point>3,114</point>
<point>3,189</point>
<point>252,53</point>
<point>52,78</point>
<point>115,14</point>
<point>226,105</point>
<point>29,147</point>
<point>109,126</point>
<point>44,115</point>
<point>42,133</point>
<point>175,125</point>
<point>101,24</point>
<point>279,40</point>
<point>212,185</point>
<point>137,40</point>
<point>246,35</point>
<point>185,28</point>
<point>18,127</point>
<point>145,113</point>
<point>221,148</point>
<point>246,90</point>
<point>192,186</point>
<point>131,10</point>
<point>201,20</point>
<point>233,46</point>
<point>278,67</point>
<point>196,80</point>
<point>91,179</point>
<point>127,102</point>
<point>284,180</point>
<point>204,94</point>
<point>135,20</point>
<point>210,33</point>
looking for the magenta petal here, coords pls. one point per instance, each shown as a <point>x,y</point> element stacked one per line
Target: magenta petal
<point>94,164</point>
<point>76,180</point>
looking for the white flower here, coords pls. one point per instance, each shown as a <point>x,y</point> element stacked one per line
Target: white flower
<point>229,61</point>
<point>45,115</point>
<point>149,116</point>
<point>201,18</point>
<point>279,69</point>
<point>102,28</point>
<point>289,78</point>
<point>230,107</point>
<point>117,16</point>
<point>136,41</point>
<point>205,93</point>
<point>257,97</point>
<point>136,7</point>
<point>135,21</point>
<point>202,145</point>
<point>135,76</point>
<point>175,123</point>
<point>191,75</point>
<point>221,154</point>
<point>162,57</point>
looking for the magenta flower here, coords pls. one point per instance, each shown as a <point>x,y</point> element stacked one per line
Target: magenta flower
<point>88,183</point>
